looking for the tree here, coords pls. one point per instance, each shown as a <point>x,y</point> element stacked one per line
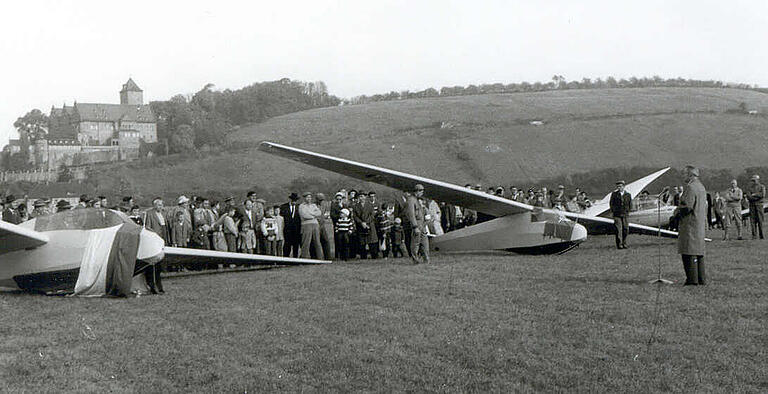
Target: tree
<point>182,139</point>
<point>32,126</point>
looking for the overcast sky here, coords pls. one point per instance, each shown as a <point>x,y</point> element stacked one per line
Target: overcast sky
<point>52,52</point>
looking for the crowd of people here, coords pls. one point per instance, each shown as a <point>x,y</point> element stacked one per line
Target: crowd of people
<point>356,224</point>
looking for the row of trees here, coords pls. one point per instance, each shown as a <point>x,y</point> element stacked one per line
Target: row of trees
<point>558,82</point>
<point>202,120</point>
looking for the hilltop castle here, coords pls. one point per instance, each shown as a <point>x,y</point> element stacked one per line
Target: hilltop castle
<point>91,133</point>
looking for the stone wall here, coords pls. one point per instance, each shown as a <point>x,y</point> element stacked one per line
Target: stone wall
<point>37,176</point>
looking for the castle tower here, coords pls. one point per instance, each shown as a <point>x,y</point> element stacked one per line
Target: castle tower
<point>131,94</point>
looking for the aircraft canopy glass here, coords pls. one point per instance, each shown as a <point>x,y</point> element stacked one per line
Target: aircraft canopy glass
<point>80,219</point>
<point>643,202</point>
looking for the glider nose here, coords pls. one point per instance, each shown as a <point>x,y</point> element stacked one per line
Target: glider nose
<point>150,247</point>
<point>579,233</point>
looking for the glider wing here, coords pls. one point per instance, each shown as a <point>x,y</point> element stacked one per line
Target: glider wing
<point>441,191</point>
<point>181,255</point>
<point>13,237</point>
<point>634,188</point>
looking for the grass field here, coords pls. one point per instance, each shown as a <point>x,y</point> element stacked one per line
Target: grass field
<point>583,321</point>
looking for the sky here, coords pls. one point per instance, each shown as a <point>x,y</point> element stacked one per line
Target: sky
<point>56,52</point>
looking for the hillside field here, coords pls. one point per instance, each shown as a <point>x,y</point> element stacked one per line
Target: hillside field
<point>483,138</point>
<point>586,321</point>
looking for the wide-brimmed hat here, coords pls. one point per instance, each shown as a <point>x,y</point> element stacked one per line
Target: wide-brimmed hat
<point>345,211</point>
<point>62,205</point>
<point>418,186</point>
<point>182,200</point>
<point>39,203</point>
<point>340,194</point>
<point>10,198</point>
<point>620,182</point>
<point>293,196</point>
<point>755,177</point>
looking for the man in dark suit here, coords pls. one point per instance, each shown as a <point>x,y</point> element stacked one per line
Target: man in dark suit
<point>11,212</point>
<point>401,211</point>
<point>292,230</point>
<point>620,205</point>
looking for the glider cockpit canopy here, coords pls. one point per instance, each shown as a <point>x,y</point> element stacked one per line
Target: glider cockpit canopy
<point>81,219</point>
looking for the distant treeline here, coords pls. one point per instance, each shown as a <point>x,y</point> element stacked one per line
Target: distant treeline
<point>558,82</point>
<point>201,121</point>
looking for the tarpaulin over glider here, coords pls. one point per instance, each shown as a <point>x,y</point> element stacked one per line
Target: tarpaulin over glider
<point>109,271</point>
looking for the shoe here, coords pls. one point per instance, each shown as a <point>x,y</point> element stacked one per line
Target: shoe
<point>740,239</point>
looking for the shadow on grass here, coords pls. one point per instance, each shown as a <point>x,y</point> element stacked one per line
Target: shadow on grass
<point>184,274</point>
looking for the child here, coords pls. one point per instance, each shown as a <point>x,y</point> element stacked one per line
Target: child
<point>383,228</point>
<point>343,230</point>
<point>397,235</point>
<point>269,230</point>
<point>181,231</point>
<point>279,237</point>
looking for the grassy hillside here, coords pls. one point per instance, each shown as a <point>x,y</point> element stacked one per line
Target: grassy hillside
<point>484,138</point>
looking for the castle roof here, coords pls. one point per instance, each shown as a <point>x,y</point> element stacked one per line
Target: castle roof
<point>115,112</point>
<point>131,86</point>
<point>62,111</point>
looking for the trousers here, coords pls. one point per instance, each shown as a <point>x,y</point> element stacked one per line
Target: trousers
<point>694,270</point>
<point>622,230</point>
<point>419,245</point>
<point>310,237</point>
<point>757,216</point>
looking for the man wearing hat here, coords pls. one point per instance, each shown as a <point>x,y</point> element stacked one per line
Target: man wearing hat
<point>755,194</point>
<point>292,231</point>
<point>63,205</point>
<point>310,228</point>
<point>11,211</point>
<point>182,205</point>
<point>40,209</point>
<point>620,205</point>
<point>416,215</point>
<point>364,215</point>
<point>692,215</point>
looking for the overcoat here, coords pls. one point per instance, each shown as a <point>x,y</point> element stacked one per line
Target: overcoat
<point>364,213</point>
<point>693,223</point>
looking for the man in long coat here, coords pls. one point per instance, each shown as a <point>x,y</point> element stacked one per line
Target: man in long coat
<point>692,213</point>
<point>365,221</point>
<point>401,211</point>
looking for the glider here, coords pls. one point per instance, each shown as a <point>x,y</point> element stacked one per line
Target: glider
<point>95,252</point>
<point>516,227</point>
